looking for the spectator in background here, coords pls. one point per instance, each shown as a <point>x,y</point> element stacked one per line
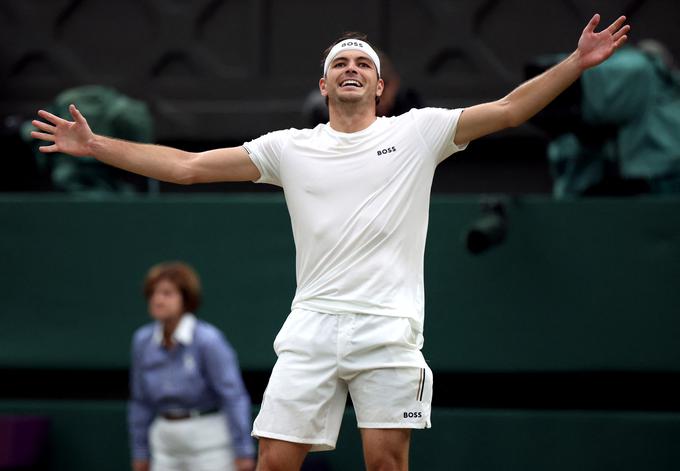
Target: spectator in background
<point>396,98</point>
<point>624,135</point>
<point>115,115</point>
<point>189,409</point>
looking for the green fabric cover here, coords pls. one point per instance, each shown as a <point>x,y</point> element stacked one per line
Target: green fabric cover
<point>631,103</point>
<point>110,113</point>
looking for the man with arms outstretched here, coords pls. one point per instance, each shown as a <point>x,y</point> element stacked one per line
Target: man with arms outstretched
<point>357,191</point>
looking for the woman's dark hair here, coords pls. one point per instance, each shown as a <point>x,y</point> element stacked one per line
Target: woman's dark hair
<point>182,276</point>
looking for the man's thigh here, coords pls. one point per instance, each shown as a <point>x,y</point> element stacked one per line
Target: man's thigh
<point>280,455</point>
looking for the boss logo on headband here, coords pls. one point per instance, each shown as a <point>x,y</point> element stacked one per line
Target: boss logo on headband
<point>351,43</point>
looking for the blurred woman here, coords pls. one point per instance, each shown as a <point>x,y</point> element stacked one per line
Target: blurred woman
<point>188,409</point>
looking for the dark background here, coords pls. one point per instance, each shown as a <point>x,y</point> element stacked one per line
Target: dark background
<point>218,72</point>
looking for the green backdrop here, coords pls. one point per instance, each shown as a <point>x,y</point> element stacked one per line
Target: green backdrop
<point>580,285</point>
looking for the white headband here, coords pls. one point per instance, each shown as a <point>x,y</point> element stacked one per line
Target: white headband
<point>351,45</point>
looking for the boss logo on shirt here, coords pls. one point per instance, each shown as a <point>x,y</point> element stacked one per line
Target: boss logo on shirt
<point>413,415</point>
<point>388,150</point>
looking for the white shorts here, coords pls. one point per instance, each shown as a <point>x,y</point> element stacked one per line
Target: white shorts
<point>194,444</point>
<point>323,356</point>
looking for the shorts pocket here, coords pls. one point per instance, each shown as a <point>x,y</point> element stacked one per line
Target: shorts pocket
<point>287,329</point>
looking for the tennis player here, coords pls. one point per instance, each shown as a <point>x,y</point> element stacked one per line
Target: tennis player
<point>357,190</point>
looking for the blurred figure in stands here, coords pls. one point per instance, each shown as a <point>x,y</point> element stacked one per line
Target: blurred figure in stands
<point>396,98</point>
<point>615,132</point>
<point>111,113</point>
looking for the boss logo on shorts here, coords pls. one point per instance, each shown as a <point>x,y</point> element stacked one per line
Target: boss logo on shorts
<point>387,150</point>
<point>413,415</point>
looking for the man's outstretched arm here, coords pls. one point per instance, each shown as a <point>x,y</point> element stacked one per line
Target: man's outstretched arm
<point>532,96</point>
<point>159,162</point>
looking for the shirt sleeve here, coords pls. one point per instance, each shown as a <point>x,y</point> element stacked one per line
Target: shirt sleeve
<point>140,411</point>
<point>437,127</point>
<point>224,376</point>
<point>265,152</point>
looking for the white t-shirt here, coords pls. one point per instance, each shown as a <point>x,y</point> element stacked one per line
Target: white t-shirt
<point>358,204</point>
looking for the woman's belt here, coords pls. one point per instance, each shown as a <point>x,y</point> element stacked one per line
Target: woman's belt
<point>187,414</point>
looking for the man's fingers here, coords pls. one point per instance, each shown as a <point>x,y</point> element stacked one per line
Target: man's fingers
<point>43,126</point>
<point>56,120</point>
<point>77,116</point>
<point>620,42</point>
<point>48,149</point>
<point>620,33</point>
<point>42,136</point>
<point>614,27</point>
<point>592,24</point>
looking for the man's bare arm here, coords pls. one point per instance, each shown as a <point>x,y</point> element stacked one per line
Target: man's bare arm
<point>159,162</point>
<point>532,96</point>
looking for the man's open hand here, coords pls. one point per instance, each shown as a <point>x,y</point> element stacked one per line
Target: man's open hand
<point>69,137</point>
<point>594,48</point>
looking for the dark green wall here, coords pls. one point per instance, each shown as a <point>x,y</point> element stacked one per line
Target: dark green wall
<point>580,285</point>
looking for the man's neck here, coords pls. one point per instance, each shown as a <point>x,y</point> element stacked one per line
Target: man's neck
<point>351,117</point>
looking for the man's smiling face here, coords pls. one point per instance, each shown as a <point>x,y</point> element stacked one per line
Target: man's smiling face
<point>352,77</point>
